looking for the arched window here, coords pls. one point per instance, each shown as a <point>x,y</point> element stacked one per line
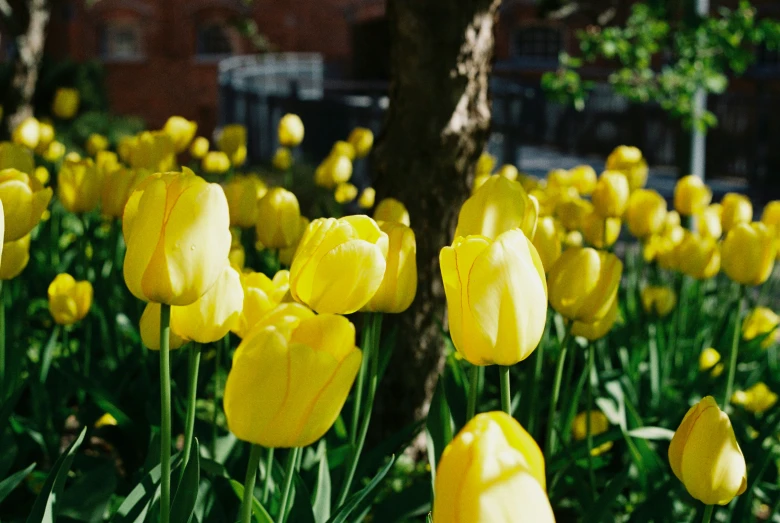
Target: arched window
<point>214,39</point>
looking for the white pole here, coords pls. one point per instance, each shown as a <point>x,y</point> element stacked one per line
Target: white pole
<point>699,137</point>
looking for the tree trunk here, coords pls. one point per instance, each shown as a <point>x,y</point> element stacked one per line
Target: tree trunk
<point>29,47</point>
<point>436,127</point>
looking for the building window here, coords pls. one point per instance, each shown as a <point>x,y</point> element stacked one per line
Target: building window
<point>539,44</point>
<point>214,40</point>
<point>121,41</point>
<point>767,58</point>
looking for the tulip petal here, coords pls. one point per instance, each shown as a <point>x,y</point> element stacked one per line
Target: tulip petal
<point>147,222</point>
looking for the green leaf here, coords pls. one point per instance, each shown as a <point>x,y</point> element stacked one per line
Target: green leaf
<point>89,496</point>
<point>47,353</point>
<point>45,509</point>
<point>613,490</point>
<point>187,493</point>
<point>261,515</point>
<point>322,489</point>
<point>651,433</point>
<point>357,498</point>
<point>136,505</point>
<point>301,509</point>
<point>11,482</point>
<point>439,426</point>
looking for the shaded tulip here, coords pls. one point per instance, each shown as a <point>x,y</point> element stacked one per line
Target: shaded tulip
<point>16,255</point>
<point>771,216</point>
<point>288,383</point>
<point>362,140</point>
<point>559,179</point>
<point>599,424</point>
<point>496,297</point>
<point>13,156</point>
<point>492,471</point>
<point>584,179</point>
<point>757,399</point>
<point>45,136</point>
<point>479,181</point>
<point>610,197</point>
<point>345,193</point>
<point>232,142</point>
<point>24,201</point>
<point>181,131</point>
<point>261,295</point>
<point>290,130</point>
<point>749,253</point>
<point>54,151</point>
<point>597,329</point>
<point>339,265</point>
<point>69,300</point>
<point>735,209</point>
<point>628,160</point>
<point>78,186</point>
<point>366,198</point>
<point>646,213</point>
<point>391,210</point>
<point>335,169</point>
<point>278,218</point>
<point>282,159</point>
<point>105,162</point>
<point>708,222</point>
<point>508,171</point>
<point>760,322</point>
<point>96,143</point>
<point>572,212</point>
<point>691,196</point>
<point>342,148</point>
<point>399,285</point>
<point>149,326</point>
<point>705,456</point>
<point>199,147</point>
<point>697,257</point>
<point>658,300</point>
<point>152,150</point>
<point>583,283</point>
<point>243,193</point>
<point>117,187</point>
<point>176,227</point>
<point>237,256</point>
<point>709,361</point>
<point>594,229</point>
<point>548,241</point>
<point>287,254</point>
<point>215,162</point>
<point>485,164</point>
<point>572,239</point>
<point>66,103</point>
<point>27,133</point>
<point>498,206</point>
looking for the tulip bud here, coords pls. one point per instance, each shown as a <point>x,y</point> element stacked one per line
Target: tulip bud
<point>559,179</point>
<point>399,285</point>
<point>117,187</point>
<point>757,399</point>
<point>345,193</point>
<point>761,321</point>
<point>69,300</point>
<point>176,228</point>
<point>709,360</point>
<point>16,255</point>
<point>290,130</point>
<point>572,212</point>
<point>66,103</point>
<point>498,206</point>
<point>547,240</point>
<point>508,171</point>
<point>54,151</point>
<point>599,424</point>
<point>771,216</point>
<point>282,160</point>
<point>485,164</point>
<point>492,471</point>
<point>658,300</point>
<point>199,147</point>
<point>45,136</point>
<point>749,253</point>
<point>149,326</point>
<point>13,156</point>
<point>646,213</point>
<point>243,193</point>
<point>705,456</point>
<point>303,373</point>
<point>232,142</point>
<point>479,181</point>
<point>584,179</point>
<point>27,133</point>
<point>366,199</point>
<point>278,218</point>
<point>583,283</point>
<point>610,197</point>
<point>362,140</point>
<point>181,131</point>
<point>708,222</point>
<point>153,151</point>
<point>78,186</point>
<point>391,210</point>
<point>572,239</point>
<point>629,161</point>
<point>339,265</point>
<point>697,257</point>
<point>24,201</point>
<point>597,329</point>
<point>261,295</point>
<point>482,277</point>
<point>215,162</point>
<point>594,228</point>
<point>691,196</point>
<point>287,254</point>
<point>96,143</point>
<point>335,169</point>
<point>736,209</point>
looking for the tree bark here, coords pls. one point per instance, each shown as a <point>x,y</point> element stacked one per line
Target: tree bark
<point>29,47</point>
<point>436,127</point>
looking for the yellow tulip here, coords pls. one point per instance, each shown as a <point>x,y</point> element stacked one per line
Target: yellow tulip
<point>278,218</point>
<point>736,209</point>
<point>399,285</point>
<point>597,329</point>
<point>96,143</point>
<point>691,196</point>
<point>548,241</point>
<point>149,326</point>
<point>290,130</point>
<point>214,314</point>
<point>261,295</point>
<point>54,151</point>
<point>288,383</point>
<point>705,456</point>
<point>335,169</point>
<point>498,206</point>
<point>16,255</point>
<point>771,216</point>
<point>282,159</point>
<point>610,197</point>
<point>584,179</point>
<point>658,300</point>
<point>287,254</point>
<point>181,131</point>
<point>496,297</point>
<point>508,171</point>
<point>345,193</point>
<point>572,212</point>
<point>757,399</point>
<point>13,156</point>
<point>215,162</point>
<point>646,213</point>
<point>24,201</point>
<point>342,148</point>
<point>45,136</point>
<point>105,162</point>
<point>232,142</point>
<point>78,186</point>
<point>697,257</point>
<point>583,283</point>
<point>628,160</point>
<point>125,148</point>
<point>152,150</point>
<point>117,187</point>
<point>709,360</point>
<point>66,103</point>
<point>339,265</point>
<point>27,133</point>
<point>362,140</point>
<point>366,198</point>
<point>69,300</point>
<point>176,228</point>
<point>594,228</point>
<point>106,420</point>
<point>243,193</point>
<point>485,164</point>
<point>572,239</point>
<point>492,471</point>
<point>237,256</point>
<point>199,147</point>
<point>708,222</point>
<point>749,253</point>
<point>599,424</point>
<point>559,179</point>
<point>761,321</point>
<point>391,210</point>
<point>479,181</point>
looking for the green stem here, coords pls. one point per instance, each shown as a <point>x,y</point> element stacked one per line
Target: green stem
<point>588,429</point>
<point>370,352</point>
<point>506,395</point>
<point>471,406</point>
<point>734,346</point>
<point>217,365</point>
<point>2,340</point>
<point>289,471</point>
<point>249,483</point>
<point>359,384</point>
<point>165,409</point>
<point>708,509</point>
<point>550,439</point>
<point>192,395</point>
<point>537,378</point>
<point>269,464</point>
<point>655,379</point>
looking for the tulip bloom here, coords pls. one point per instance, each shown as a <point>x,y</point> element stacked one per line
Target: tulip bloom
<point>152,150</point>
<point>496,297</point>
<point>362,140</point>
<point>584,179</point>
<point>69,300</point>
<point>290,130</point>
<point>757,399</point>
<point>548,241</point>
<point>492,471</point>
<point>289,382</point>
<point>215,162</point>
<point>705,456</point>
<point>96,143</point>
<point>761,321</point>
<point>278,218</point>
<point>509,172</point>
<point>610,197</point>
<point>708,222</point>
<point>27,133</point>
<point>691,195</point>
<point>498,206</point>
<point>339,265</point>
<point>594,229</point>
<point>282,159</point>
<point>697,257</point>
<point>583,283</point>
<point>335,169</point>
<point>399,285</point>
<point>628,160</point>
<point>261,295</point>
<point>24,201</point>
<point>646,213</point>
<point>287,254</point>
<point>771,215</point>
<point>16,255</point>
<point>572,212</point>
<point>78,186</point>
<point>749,253</point>
<point>232,142</point>
<point>597,329</point>
<point>599,424</point>
<point>345,193</point>
<point>13,156</point>
<point>709,360</point>
<point>176,227</point>
<point>366,198</point>
<point>181,131</point>
<point>243,193</point>
<point>199,147</point>
<point>659,300</point>
<point>66,103</point>
<point>485,164</point>
<point>149,326</point>
<point>117,187</point>
<point>391,210</point>
<point>736,209</point>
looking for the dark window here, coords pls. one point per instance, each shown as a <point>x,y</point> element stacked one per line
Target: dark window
<point>767,58</point>
<point>121,41</point>
<point>213,39</point>
<point>537,43</point>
